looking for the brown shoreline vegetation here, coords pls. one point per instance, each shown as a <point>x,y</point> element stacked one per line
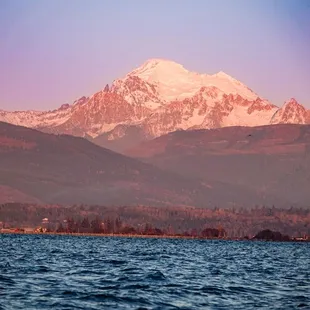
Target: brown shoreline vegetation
<point>258,223</point>
<point>283,238</point>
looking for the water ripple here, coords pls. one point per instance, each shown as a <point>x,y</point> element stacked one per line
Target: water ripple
<point>68,272</point>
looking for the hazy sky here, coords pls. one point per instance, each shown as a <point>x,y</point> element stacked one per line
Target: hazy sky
<point>54,51</point>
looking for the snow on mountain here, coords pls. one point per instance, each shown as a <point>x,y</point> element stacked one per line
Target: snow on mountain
<point>36,119</point>
<point>26,118</point>
<point>173,82</point>
<point>41,119</point>
<point>182,114</point>
<point>137,92</point>
<point>209,108</point>
<point>248,113</point>
<point>159,97</point>
<point>291,113</point>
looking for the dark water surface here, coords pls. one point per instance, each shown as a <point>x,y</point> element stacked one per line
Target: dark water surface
<point>70,272</point>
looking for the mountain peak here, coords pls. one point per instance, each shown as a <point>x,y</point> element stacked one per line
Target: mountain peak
<point>154,69</point>
<point>173,82</point>
<point>80,101</point>
<point>222,74</point>
<point>292,102</point>
<point>64,106</point>
<point>156,61</point>
<point>290,113</point>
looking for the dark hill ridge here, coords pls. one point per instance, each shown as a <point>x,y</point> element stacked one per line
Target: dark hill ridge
<point>270,160</point>
<point>66,169</point>
<point>273,139</point>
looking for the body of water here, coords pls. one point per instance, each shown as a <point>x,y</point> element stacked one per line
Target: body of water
<point>71,272</point>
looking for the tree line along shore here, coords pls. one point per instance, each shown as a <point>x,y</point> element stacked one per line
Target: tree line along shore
<point>259,222</point>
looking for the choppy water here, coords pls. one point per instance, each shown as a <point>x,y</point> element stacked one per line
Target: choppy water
<point>65,272</point>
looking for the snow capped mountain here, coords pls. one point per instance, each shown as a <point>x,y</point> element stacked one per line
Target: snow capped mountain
<point>37,119</point>
<point>41,119</point>
<point>26,118</point>
<point>291,113</point>
<point>173,82</point>
<point>159,97</point>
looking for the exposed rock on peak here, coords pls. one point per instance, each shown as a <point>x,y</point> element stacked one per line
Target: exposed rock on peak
<point>106,88</point>
<point>292,102</point>
<point>261,105</point>
<point>80,101</point>
<point>65,106</point>
<point>291,113</point>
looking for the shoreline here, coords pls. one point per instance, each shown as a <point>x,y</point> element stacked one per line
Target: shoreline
<point>142,236</point>
<point>110,235</point>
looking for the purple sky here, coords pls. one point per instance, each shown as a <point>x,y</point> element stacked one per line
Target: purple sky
<point>54,51</point>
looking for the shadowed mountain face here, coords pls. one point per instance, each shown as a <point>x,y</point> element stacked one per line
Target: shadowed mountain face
<point>269,160</point>
<point>66,169</point>
<point>40,167</point>
<point>122,137</point>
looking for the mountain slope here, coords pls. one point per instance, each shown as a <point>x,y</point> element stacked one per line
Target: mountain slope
<point>270,160</point>
<point>65,169</point>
